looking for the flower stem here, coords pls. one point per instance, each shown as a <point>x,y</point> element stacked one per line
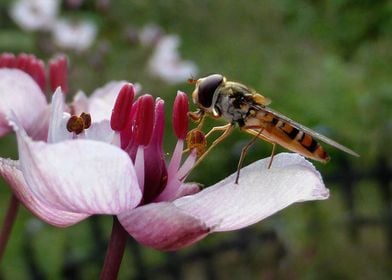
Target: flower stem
<point>115,251</point>
<point>9,220</point>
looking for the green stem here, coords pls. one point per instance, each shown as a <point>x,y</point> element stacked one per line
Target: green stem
<point>8,223</point>
<point>115,251</point>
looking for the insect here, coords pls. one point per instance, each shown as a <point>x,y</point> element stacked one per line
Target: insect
<point>240,105</point>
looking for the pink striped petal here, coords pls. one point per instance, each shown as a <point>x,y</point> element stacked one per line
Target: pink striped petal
<point>19,92</point>
<point>260,193</point>
<point>79,175</point>
<point>14,177</point>
<point>163,226</point>
<point>226,206</point>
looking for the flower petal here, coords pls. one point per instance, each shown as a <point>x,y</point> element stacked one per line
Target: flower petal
<point>102,100</point>
<point>260,193</point>
<point>80,103</point>
<point>79,175</point>
<point>21,94</point>
<point>163,226</point>
<point>14,177</point>
<point>58,119</point>
<point>99,132</point>
<point>187,189</point>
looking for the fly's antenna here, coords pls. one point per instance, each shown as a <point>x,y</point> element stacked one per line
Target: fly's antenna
<point>192,80</point>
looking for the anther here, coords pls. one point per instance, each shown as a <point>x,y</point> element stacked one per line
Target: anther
<point>77,124</point>
<point>195,139</point>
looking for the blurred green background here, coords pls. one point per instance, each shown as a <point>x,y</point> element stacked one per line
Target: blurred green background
<point>326,64</point>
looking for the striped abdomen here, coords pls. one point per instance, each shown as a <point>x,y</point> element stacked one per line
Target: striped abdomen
<point>287,134</point>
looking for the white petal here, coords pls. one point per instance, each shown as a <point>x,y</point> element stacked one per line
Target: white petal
<point>77,35</point>
<point>99,132</point>
<point>81,176</point>
<point>21,94</point>
<point>80,103</point>
<point>102,100</point>
<point>58,119</point>
<point>14,177</point>
<point>34,14</point>
<point>260,193</point>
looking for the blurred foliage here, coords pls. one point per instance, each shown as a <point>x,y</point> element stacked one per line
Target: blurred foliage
<point>326,64</point>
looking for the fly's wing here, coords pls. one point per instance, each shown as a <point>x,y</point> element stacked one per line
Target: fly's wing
<point>307,130</point>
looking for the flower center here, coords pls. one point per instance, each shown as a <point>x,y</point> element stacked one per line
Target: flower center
<point>77,124</point>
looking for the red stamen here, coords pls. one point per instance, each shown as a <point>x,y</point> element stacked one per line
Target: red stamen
<point>180,115</point>
<point>58,73</point>
<point>7,60</point>
<point>127,133</point>
<point>27,63</point>
<point>122,108</point>
<point>144,120</point>
<point>36,69</point>
<point>22,61</point>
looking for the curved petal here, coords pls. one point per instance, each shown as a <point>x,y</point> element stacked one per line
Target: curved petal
<point>79,175</point>
<point>79,103</point>
<point>19,92</point>
<point>101,101</point>
<point>188,189</point>
<point>58,119</point>
<point>99,132</point>
<point>260,193</point>
<point>163,226</point>
<point>14,177</point>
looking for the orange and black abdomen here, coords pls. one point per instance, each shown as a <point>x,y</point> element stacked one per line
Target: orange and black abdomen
<point>281,132</point>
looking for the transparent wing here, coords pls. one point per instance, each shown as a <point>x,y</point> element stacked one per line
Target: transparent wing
<point>313,133</point>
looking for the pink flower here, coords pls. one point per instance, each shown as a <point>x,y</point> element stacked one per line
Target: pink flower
<point>22,86</point>
<point>70,175</point>
<point>114,166</point>
<point>174,214</point>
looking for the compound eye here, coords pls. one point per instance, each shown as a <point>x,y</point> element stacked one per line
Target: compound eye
<point>206,89</point>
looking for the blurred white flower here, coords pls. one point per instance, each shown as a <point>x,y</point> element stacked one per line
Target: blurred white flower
<point>166,63</point>
<point>35,14</point>
<point>150,34</point>
<point>77,35</point>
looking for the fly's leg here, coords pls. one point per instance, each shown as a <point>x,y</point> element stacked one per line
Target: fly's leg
<point>196,138</point>
<point>244,151</point>
<point>227,129</point>
<point>272,155</point>
<point>261,136</point>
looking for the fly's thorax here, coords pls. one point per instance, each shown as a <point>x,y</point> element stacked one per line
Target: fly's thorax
<point>232,107</point>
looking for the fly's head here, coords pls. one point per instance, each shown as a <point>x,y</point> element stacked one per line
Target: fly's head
<point>205,94</point>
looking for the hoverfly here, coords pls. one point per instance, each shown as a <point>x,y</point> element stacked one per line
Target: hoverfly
<point>217,97</point>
